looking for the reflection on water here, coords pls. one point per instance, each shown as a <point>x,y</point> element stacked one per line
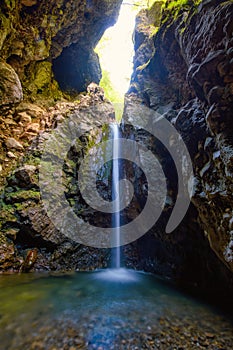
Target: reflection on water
<point>108,309</point>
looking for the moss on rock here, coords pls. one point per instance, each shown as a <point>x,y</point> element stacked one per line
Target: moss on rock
<point>22,195</point>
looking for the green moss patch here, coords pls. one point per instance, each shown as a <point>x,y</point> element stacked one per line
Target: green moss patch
<point>172,9</point>
<point>21,196</point>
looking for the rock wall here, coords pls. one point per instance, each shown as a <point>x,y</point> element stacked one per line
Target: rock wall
<point>41,46</point>
<point>29,236</point>
<point>34,34</point>
<point>46,59</point>
<point>183,70</point>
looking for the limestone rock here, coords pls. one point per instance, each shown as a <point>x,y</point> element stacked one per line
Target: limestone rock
<point>24,118</point>
<point>34,127</point>
<point>13,143</point>
<point>10,86</point>
<point>11,155</point>
<point>33,110</point>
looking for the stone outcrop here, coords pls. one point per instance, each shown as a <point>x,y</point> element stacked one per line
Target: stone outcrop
<point>39,38</point>
<point>183,70</point>
<point>25,224</point>
<point>46,55</point>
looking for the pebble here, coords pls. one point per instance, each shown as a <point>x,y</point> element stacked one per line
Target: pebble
<point>176,333</point>
<point>12,143</point>
<point>24,118</point>
<point>11,155</point>
<point>34,127</point>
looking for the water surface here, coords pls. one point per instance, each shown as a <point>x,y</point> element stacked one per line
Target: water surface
<point>107,309</point>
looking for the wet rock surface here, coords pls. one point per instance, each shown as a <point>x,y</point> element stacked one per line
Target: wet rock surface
<point>24,220</point>
<point>183,73</point>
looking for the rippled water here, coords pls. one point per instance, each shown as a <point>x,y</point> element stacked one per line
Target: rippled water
<point>107,309</point>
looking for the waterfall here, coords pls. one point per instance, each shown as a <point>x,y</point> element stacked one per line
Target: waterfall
<point>116,239</point>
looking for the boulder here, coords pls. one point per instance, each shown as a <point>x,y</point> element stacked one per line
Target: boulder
<point>10,86</point>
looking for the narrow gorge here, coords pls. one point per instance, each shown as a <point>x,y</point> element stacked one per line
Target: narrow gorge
<point>177,125</point>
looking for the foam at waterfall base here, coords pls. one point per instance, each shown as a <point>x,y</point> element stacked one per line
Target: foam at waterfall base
<point>118,275</point>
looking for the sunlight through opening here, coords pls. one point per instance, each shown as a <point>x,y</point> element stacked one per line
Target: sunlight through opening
<point>116,51</point>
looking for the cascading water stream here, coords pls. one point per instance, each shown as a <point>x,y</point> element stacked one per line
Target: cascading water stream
<point>116,256</point>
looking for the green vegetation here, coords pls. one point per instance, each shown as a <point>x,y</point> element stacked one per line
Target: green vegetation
<point>154,31</point>
<point>23,195</point>
<point>115,89</point>
<point>118,107</point>
<point>7,213</point>
<point>32,160</point>
<point>143,66</point>
<point>10,4</point>
<point>42,86</point>
<point>175,6</point>
<point>110,92</point>
<point>138,5</point>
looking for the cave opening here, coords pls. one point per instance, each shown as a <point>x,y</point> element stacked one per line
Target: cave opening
<point>110,64</point>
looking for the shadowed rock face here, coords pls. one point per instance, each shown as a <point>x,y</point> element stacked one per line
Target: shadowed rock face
<point>25,224</point>
<point>40,38</point>
<point>37,40</point>
<point>34,33</point>
<point>10,88</point>
<point>76,68</point>
<point>185,71</point>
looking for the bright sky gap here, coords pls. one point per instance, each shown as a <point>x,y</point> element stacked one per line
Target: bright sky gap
<point>116,51</point>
